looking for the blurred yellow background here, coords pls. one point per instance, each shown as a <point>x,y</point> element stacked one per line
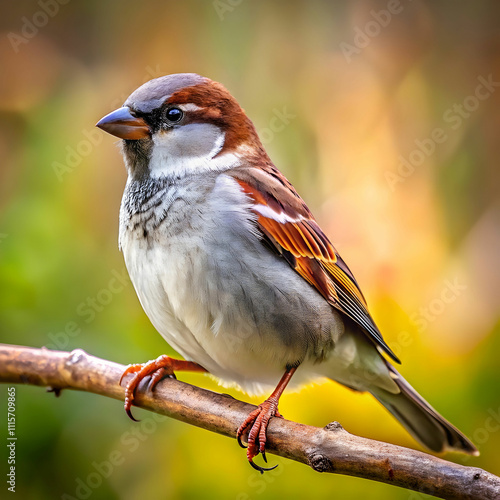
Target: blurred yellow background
<point>383,114</point>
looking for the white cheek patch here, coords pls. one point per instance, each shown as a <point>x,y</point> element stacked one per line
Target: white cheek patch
<point>185,149</point>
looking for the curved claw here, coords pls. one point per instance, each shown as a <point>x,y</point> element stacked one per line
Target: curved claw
<point>261,469</point>
<point>256,424</point>
<point>128,411</point>
<point>238,438</point>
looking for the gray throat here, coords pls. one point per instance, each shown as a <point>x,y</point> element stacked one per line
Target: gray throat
<point>166,204</point>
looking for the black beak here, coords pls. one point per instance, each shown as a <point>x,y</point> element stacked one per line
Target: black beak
<point>124,125</point>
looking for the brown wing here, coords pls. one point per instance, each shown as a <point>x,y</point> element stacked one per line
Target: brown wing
<point>289,226</point>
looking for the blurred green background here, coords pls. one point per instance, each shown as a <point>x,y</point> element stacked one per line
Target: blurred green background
<point>391,135</point>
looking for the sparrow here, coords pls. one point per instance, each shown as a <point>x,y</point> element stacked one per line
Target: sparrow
<point>233,270</point>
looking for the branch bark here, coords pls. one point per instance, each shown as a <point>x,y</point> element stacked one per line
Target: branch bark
<point>331,449</point>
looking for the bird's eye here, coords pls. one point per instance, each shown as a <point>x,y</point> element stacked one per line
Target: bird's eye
<point>174,114</point>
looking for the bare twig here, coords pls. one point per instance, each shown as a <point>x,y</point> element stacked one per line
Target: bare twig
<point>331,449</point>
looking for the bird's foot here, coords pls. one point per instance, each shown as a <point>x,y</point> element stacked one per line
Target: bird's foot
<point>159,368</point>
<point>256,426</point>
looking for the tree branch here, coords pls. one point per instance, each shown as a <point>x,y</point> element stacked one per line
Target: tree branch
<point>331,449</point>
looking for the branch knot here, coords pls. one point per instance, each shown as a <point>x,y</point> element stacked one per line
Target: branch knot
<point>320,463</point>
<point>334,427</point>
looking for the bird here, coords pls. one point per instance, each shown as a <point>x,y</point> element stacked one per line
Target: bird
<point>234,271</point>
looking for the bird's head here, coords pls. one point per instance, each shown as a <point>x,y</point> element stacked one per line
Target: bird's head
<point>180,124</point>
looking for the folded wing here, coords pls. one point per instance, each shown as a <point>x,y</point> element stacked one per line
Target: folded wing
<point>289,227</point>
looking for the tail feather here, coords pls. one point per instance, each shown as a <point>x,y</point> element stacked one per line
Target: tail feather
<point>423,422</point>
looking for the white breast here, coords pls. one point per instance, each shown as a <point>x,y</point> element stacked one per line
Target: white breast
<point>215,293</point>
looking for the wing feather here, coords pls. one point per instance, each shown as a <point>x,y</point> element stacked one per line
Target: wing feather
<point>288,224</point>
